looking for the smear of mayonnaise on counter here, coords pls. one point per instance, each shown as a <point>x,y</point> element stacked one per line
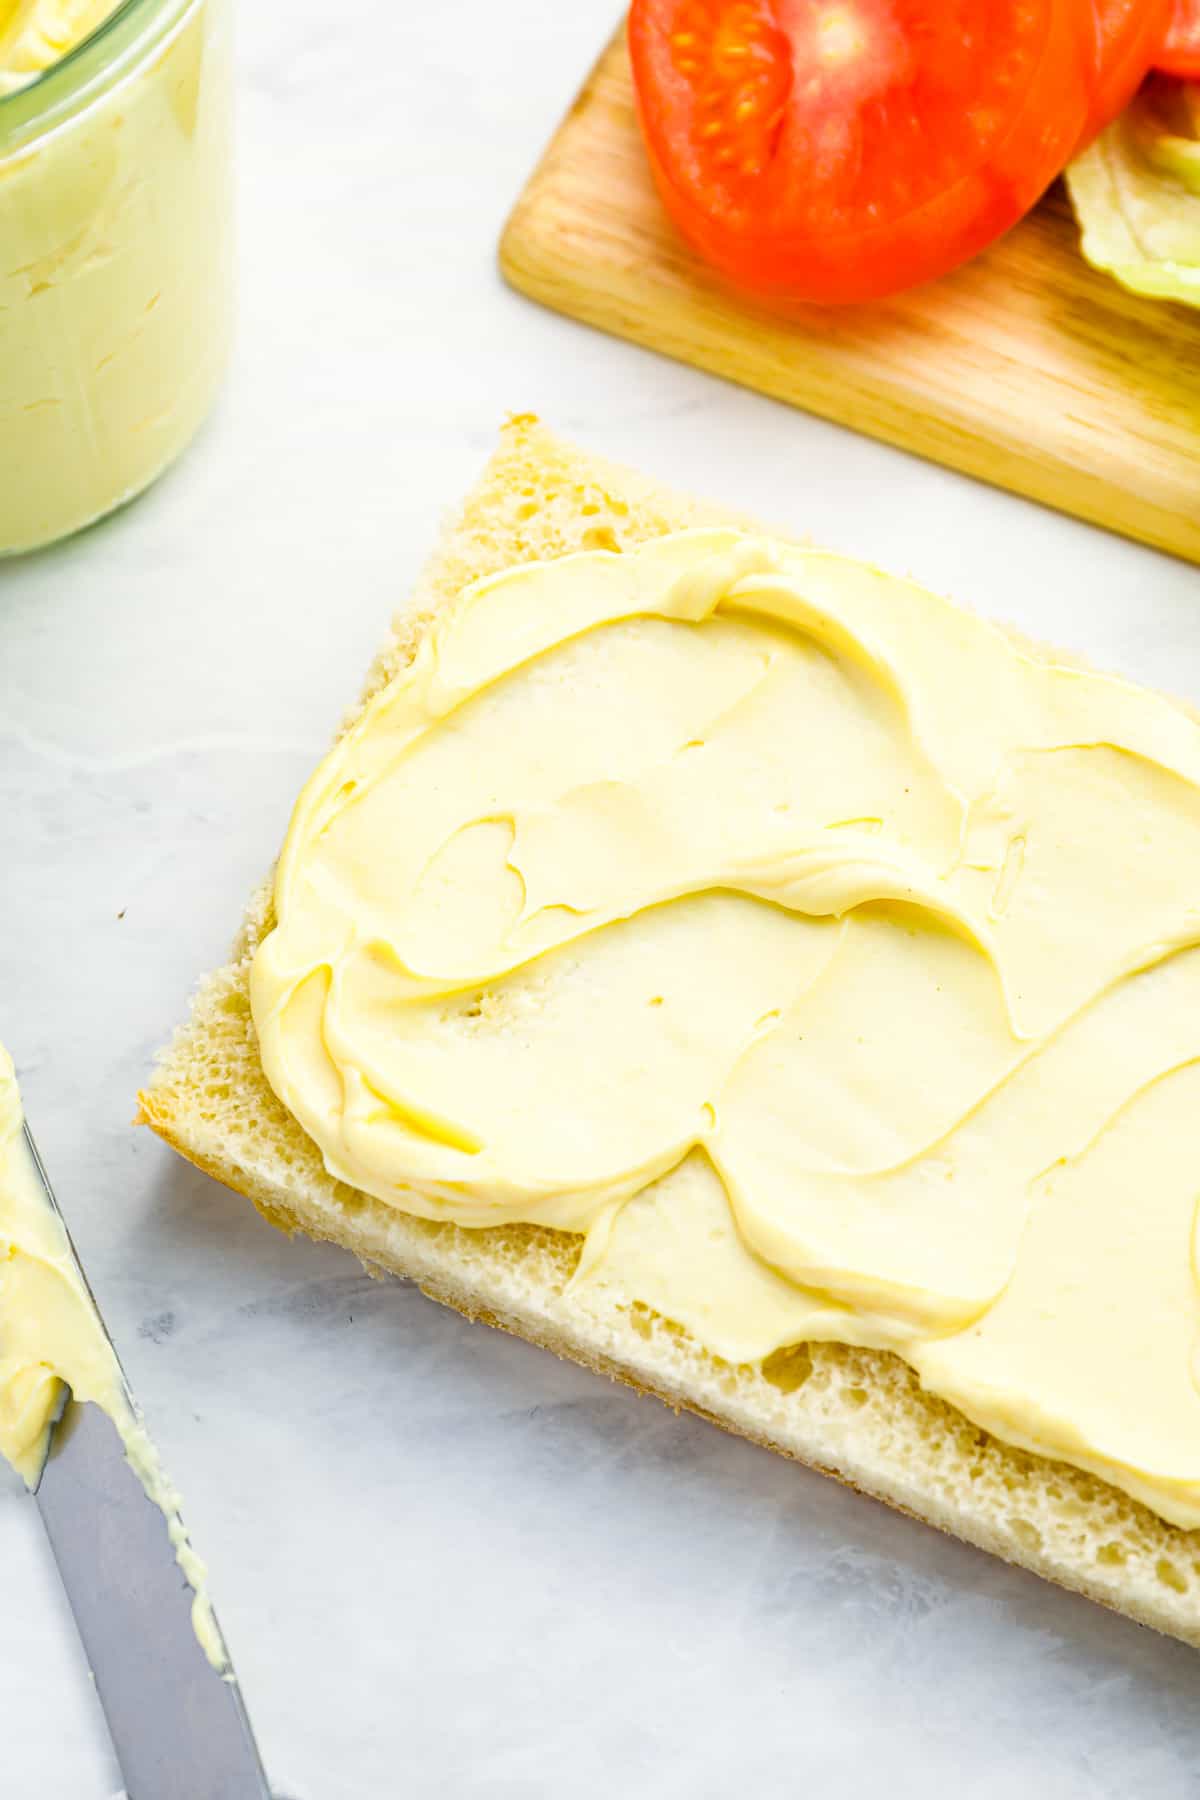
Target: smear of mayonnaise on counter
<point>827,959</point>
<point>52,1341</point>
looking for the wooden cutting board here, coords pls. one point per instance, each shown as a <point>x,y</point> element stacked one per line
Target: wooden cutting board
<point>1026,368</point>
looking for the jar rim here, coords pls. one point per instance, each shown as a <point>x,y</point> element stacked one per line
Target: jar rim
<point>88,68</point>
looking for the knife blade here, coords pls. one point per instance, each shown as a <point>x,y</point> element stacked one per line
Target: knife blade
<point>179,1727</point>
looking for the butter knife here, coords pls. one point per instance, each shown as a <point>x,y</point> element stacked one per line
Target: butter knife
<point>179,1727</point>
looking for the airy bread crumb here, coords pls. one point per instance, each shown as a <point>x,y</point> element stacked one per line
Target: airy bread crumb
<point>856,1414</point>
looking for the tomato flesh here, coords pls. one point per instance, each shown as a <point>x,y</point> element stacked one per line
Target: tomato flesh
<point>1129,36</point>
<point>839,150</point>
<point>1180,52</point>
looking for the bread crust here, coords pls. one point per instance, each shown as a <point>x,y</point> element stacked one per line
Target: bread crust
<point>857,1415</point>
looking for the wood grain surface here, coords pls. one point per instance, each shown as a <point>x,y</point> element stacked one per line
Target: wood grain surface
<point>1027,368</point>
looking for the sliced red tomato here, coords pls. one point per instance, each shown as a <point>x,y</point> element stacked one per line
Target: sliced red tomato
<point>1180,53</point>
<point>840,150</point>
<point>1129,36</point>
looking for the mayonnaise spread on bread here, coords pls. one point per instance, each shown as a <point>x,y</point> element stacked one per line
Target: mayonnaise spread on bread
<point>52,1340</point>
<point>827,959</point>
<point>115,250</point>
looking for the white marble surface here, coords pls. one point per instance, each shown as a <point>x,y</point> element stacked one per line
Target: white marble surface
<point>446,1563</point>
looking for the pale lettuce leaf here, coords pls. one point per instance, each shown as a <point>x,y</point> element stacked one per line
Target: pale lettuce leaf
<point>1136,192</point>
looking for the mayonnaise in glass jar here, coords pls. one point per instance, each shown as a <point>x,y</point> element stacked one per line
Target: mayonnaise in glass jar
<point>115,249</point>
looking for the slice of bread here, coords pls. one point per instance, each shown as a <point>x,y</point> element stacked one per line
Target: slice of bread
<point>856,1414</point>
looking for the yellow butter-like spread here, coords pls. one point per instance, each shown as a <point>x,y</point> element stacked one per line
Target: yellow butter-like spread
<point>49,1332</point>
<point>115,254</point>
<point>826,958</point>
<point>35,34</point>
<point>51,1339</point>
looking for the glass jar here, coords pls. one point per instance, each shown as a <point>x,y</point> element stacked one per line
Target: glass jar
<point>115,263</point>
